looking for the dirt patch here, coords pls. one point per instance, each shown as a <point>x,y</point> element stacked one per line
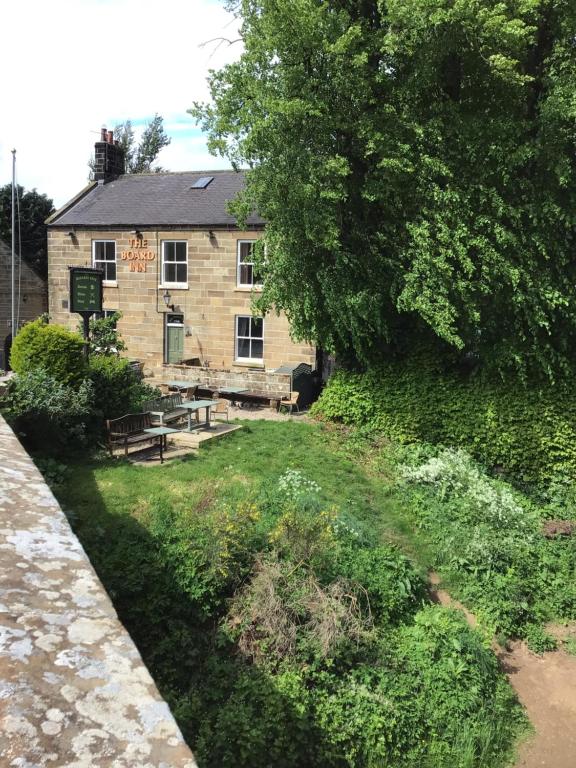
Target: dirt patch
<point>553,528</point>
<point>546,687</point>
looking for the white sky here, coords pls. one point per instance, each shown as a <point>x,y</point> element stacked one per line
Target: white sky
<point>71,66</point>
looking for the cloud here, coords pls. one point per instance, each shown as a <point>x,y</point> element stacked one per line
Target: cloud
<point>80,64</point>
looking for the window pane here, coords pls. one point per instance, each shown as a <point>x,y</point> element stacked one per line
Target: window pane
<point>109,270</point>
<point>243,326</point>
<point>257,348</point>
<point>169,252</point>
<point>243,348</point>
<point>256,323</point>
<point>98,251</point>
<point>169,273</point>
<point>181,273</point>
<point>246,252</point>
<point>110,251</point>
<point>246,274</point>
<point>180,250</point>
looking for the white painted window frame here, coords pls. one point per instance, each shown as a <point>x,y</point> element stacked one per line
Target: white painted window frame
<point>239,359</point>
<point>240,284</point>
<point>97,262</point>
<point>163,283</point>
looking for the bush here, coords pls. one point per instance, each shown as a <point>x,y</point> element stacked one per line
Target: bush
<point>47,412</point>
<point>117,387</point>
<point>53,348</point>
<point>527,431</point>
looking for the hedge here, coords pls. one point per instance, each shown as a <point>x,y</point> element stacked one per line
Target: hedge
<point>527,431</point>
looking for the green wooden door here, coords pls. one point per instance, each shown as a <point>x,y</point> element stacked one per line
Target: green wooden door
<point>174,343</point>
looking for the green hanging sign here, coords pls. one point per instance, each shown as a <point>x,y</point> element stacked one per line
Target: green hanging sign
<point>85,290</point>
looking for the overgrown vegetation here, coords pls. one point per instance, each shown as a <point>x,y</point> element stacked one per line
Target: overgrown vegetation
<point>527,432</point>
<point>277,617</point>
<point>58,400</point>
<point>488,543</point>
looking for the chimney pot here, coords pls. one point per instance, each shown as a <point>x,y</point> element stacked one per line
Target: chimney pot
<point>110,137</point>
<point>103,133</point>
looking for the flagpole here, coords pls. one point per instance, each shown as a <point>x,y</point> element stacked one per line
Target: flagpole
<point>13,324</point>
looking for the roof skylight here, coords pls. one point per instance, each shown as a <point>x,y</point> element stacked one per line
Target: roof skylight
<point>202,182</point>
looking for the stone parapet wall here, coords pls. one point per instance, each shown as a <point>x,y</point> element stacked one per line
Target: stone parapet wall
<point>210,378</point>
<point>74,690</point>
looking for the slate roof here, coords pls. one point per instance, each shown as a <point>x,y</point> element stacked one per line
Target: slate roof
<point>156,200</point>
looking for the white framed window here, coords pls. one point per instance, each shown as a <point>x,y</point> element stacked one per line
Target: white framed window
<point>249,338</point>
<point>246,276</point>
<point>175,263</point>
<point>104,258</point>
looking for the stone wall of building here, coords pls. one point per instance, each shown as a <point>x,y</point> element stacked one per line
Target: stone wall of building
<point>74,690</point>
<point>210,304</point>
<point>31,293</point>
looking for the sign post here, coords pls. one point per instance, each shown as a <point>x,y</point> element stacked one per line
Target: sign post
<point>85,296</point>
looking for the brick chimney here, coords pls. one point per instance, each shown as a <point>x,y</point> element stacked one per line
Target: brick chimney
<point>108,158</point>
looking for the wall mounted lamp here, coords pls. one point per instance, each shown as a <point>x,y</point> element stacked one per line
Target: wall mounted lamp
<point>166,296</point>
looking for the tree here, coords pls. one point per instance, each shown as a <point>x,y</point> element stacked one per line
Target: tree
<point>34,209</point>
<point>415,162</point>
<point>140,158</point>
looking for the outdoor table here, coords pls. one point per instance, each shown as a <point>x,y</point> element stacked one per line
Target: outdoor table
<point>232,391</point>
<point>183,384</point>
<point>162,433</point>
<point>195,405</point>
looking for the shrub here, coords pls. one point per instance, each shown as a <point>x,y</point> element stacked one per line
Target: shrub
<point>283,612</point>
<point>117,387</point>
<point>53,348</point>
<point>46,411</point>
<point>104,336</point>
<point>394,589</point>
<point>526,431</point>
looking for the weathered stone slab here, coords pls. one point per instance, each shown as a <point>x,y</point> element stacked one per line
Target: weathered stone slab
<point>74,690</point>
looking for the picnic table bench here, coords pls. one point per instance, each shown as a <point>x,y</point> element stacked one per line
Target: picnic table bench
<point>128,431</point>
<point>165,410</point>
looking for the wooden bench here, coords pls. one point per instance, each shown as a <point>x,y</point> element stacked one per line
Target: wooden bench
<point>128,431</point>
<point>165,410</point>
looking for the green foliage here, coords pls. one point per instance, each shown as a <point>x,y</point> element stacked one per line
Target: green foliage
<point>117,387</point>
<point>414,164</point>
<point>529,433</point>
<point>488,544</point>
<point>105,338</point>
<point>54,472</point>
<point>393,587</point>
<point>52,348</point>
<point>47,412</point>
<point>538,640</point>
<point>32,211</point>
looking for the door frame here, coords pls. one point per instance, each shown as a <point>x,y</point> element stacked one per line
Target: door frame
<point>171,324</point>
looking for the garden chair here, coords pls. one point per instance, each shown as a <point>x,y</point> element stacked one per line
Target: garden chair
<point>221,408</point>
<point>291,403</point>
<point>190,393</point>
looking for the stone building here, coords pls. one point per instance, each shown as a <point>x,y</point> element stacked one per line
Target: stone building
<point>31,297</point>
<point>175,265</point>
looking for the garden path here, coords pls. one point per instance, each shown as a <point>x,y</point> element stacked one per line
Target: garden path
<point>546,687</point>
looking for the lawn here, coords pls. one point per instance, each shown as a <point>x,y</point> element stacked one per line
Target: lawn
<point>266,584</point>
